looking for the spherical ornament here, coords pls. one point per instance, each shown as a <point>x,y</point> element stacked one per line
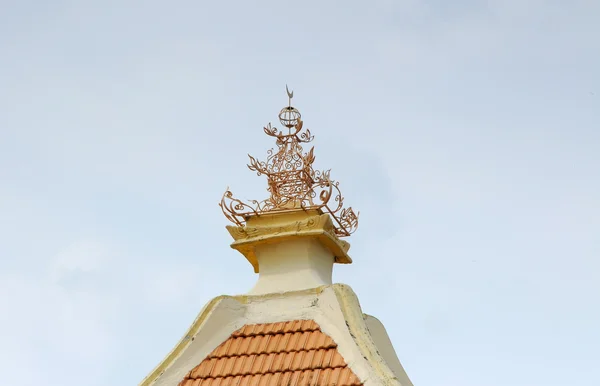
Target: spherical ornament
<point>289,116</point>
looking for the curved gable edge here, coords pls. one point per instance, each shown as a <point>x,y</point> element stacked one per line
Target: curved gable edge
<point>367,342</point>
<point>386,349</point>
<point>223,315</point>
<point>211,327</point>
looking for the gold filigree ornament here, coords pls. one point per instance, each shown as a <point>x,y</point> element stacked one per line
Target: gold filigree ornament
<point>293,184</point>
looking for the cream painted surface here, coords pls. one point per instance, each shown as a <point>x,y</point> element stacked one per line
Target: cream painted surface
<point>292,265</point>
<point>213,326</point>
<point>281,219</point>
<point>354,318</point>
<point>282,227</point>
<point>386,349</point>
<point>334,307</point>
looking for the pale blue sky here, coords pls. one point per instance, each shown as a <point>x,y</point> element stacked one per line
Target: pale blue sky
<point>465,132</point>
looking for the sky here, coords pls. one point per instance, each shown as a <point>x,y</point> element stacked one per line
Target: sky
<point>465,132</point>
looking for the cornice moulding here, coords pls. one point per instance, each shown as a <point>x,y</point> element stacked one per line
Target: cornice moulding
<point>276,228</point>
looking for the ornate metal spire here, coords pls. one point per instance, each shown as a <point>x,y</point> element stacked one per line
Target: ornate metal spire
<point>292,181</point>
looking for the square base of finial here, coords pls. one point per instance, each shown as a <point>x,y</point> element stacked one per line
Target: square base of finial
<point>278,227</point>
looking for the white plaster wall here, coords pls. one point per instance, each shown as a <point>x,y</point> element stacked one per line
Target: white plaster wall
<point>292,265</point>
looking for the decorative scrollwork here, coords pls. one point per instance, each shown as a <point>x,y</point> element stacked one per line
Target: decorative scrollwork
<point>292,181</point>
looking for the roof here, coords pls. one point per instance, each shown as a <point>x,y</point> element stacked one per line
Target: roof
<point>290,353</point>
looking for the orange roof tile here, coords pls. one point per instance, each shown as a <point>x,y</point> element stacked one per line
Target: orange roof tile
<point>294,353</point>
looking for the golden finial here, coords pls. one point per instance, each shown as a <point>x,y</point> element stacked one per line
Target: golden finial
<point>292,181</point>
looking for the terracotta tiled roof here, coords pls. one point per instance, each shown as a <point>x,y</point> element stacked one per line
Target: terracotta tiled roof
<point>292,353</point>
